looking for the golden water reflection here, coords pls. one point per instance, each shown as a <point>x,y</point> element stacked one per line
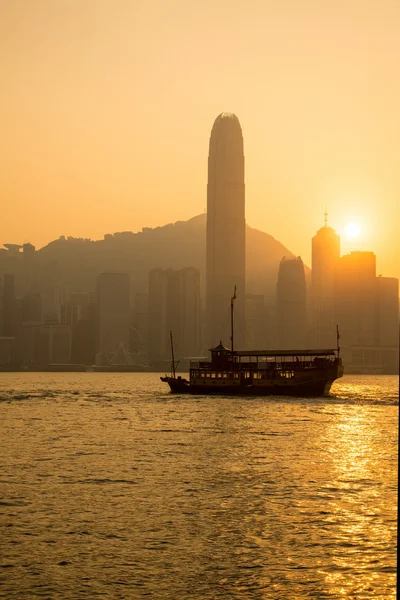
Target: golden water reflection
<point>140,494</point>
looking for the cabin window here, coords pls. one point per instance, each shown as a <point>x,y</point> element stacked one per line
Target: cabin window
<point>202,375</point>
<point>208,375</point>
<point>225,375</point>
<point>288,374</point>
<point>219,375</point>
<point>213,375</point>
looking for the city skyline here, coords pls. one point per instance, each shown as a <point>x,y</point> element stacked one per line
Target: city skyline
<point>86,122</point>
<point>45,321</point>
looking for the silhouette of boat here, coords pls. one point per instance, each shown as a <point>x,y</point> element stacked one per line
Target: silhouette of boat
<point>259,372</point>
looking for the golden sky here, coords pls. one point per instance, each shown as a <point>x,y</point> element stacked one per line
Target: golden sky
<point>107,106</point>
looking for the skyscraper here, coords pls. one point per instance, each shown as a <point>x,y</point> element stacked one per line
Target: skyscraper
<point>325,262</point>
<point>9,325</point>
<point>355,299</point>
<point>387,322</point>
<point>256,322</point>
<point>113,307</point>
<point>291,296</point>
<point>174,305</point>
<point>225,248</point>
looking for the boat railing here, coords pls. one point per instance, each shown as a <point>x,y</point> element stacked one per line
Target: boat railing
<point>263,366</point>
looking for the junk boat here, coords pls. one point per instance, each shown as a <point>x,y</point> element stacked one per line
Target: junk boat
<point>259,372</point>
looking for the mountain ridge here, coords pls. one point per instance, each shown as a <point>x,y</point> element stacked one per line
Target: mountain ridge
<point>76,262</point>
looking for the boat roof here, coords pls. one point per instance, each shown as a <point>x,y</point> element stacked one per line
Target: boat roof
<point>319,352</point>
<point>220,348</point>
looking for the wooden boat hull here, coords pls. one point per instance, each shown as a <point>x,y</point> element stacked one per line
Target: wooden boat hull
<point>178,385</point>
<point>316,385</point>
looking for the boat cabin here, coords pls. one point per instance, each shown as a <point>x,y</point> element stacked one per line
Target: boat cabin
<point>261,364</point>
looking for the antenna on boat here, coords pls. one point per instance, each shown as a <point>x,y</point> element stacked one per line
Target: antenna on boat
<point>337,339</point>
<point>232,301</point>
<point>172,356</point>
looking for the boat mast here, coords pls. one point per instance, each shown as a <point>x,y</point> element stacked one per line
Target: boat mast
<point>232,301</point>
<point>337,340</point>
<point>172,356</point>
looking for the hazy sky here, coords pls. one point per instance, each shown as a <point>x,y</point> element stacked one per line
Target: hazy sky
<point>107,106</point>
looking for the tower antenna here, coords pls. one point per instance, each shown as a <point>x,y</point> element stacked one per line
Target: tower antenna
<point>326,216</point>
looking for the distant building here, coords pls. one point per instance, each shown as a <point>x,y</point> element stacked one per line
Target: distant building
<point>366,311</point>
<point>54,297</point>
<point>7,350</point>
<point>28,268</point>
<point>113,310</point>
<point>75,309</point>
<point>225,245</point>
<point>140,330</point>
<point>9,325</point>
<point>191,311</point>
<point>387,314</point>
<point>52,344</point>
<point>83,342</point>
<point>387,320</point>
<point>291,296</point>
<point>173,305</point>
<point>256,322</point>
<point>31,308</point>
<point>26,344</point>
<point>355,299</point>
<point>325,262</point>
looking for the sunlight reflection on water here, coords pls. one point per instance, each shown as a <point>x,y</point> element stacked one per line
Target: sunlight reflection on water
<point>112,487</point>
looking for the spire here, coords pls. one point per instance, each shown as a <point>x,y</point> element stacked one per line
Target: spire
<point>326,216</point>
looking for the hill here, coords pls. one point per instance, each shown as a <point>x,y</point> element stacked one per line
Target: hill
<point>75,263</point>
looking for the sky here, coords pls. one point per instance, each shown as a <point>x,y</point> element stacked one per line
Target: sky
<point>107,107</point>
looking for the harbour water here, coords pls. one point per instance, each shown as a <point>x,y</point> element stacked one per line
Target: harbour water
<point>111,487</point>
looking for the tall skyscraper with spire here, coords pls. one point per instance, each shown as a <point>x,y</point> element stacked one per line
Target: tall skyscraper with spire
<point>325,262</point>
<point>225,249</point>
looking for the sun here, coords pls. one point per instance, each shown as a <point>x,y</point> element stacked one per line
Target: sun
<point>352,230</point>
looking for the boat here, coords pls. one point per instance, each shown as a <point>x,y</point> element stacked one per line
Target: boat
<point>259,372</point>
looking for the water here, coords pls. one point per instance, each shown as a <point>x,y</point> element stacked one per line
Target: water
<point>110,487</point>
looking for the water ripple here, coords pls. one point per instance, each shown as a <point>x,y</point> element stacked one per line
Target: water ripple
<point>113,488</point>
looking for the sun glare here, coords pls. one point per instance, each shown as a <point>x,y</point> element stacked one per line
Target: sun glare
<point>352,230</point>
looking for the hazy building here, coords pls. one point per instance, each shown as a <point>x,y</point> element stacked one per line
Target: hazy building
<point>75,309</point>
<point>355,299</point>
<point>26,343</point>
<point>225,247</point>
<point>325,261</point>
<point>191,311</point>
<point>54,297</point>
<point>80,315</point>
<point>113,311</point>
<point>291,305</point>
<point>31,308</point>
<point>367,312</point>
<point>140,329</point>
<point>28,268</point>
<point>173,305</point>
<point>158,321</point>
<point>256,322</point>
<point>83,336</point>
<point>387,322</point>
<point>9,325</point>
<point>7,350</point>
<point>52,344</point>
